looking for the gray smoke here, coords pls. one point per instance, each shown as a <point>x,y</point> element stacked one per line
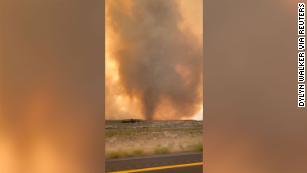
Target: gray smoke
<point>157,59</point>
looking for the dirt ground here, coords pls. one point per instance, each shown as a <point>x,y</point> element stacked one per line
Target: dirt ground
<point>132,138</point>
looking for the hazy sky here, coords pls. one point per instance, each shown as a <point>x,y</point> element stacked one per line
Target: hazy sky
<point>153,59</point>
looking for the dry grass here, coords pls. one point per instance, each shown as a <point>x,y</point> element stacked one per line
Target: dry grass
<point>123,154</point>
<point>161,150</point>
<point>152,137</point>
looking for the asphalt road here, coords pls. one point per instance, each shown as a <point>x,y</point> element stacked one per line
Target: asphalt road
<point>171,163</point>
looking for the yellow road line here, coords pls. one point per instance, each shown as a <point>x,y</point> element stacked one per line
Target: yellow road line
<point>160,168</point>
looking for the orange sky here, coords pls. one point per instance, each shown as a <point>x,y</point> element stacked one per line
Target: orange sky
<point>118,104</point>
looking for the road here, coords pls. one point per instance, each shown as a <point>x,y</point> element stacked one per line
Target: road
<point>171,163</point>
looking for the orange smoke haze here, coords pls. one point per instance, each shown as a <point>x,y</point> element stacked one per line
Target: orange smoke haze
<point>153,59</point>
<point>252,121</point>
<point>51,86</point>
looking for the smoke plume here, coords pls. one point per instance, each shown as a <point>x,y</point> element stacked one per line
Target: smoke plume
<point>159,62</point>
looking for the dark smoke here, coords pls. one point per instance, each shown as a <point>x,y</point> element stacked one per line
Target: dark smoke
<point>158,61</point>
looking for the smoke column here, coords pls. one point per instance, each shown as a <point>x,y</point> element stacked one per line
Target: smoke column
<point>158,61</point>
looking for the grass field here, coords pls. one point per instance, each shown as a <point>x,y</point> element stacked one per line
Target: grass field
<point>130,138</point>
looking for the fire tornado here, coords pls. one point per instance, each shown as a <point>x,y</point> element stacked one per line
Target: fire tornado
<point>153,60</point>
